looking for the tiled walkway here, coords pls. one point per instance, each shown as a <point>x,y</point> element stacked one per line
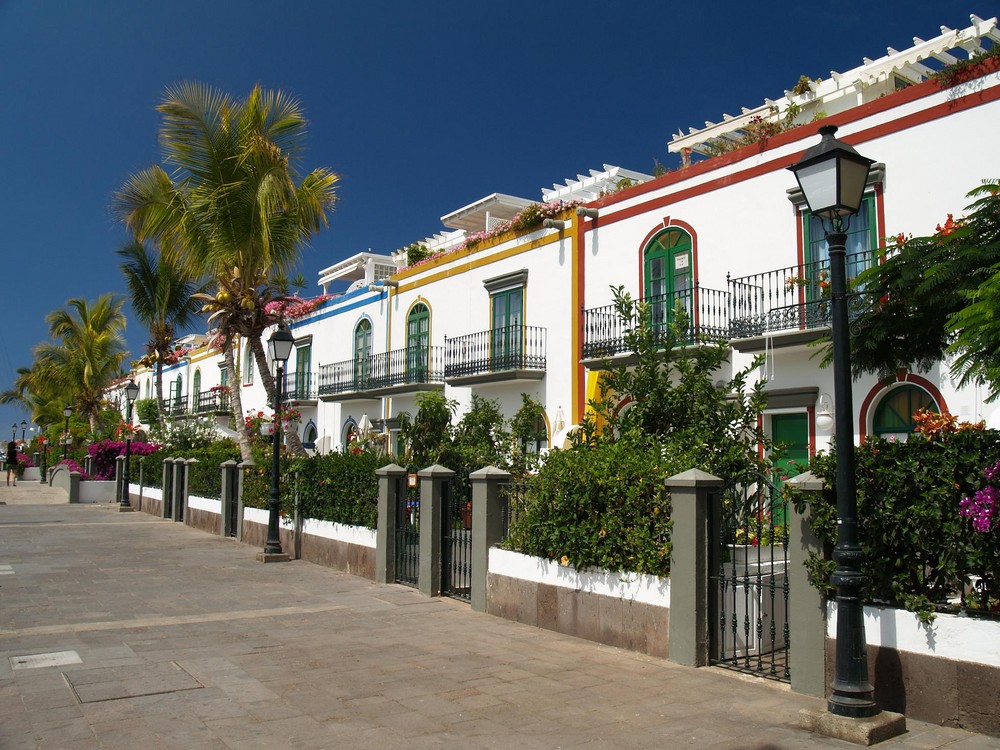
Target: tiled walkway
<point>150,634</point>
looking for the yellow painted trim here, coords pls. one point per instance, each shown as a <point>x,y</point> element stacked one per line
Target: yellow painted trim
<point>471,262</point>
<point>574,312</point>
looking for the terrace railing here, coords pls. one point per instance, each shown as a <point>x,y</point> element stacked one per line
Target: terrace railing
<point>508,348</point>
<point>792,298</point>
<point>400,367</point>
<point>207,402</point>
<point>175,406</point>
<point>299,386</point>
<point>706,312</point>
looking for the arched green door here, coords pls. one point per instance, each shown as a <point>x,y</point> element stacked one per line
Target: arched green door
<point>894,413</point>
<point>418,341</point>
<point>668,267</point>
<point>362,354</point>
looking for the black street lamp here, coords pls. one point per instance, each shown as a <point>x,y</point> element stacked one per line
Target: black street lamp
<point>67,410</point>
<point>280,346</point>
<point>131,393</point>
<point>24,427</point>
<point>45,457</point>
<point>13,431</point>
<point>832,176</point>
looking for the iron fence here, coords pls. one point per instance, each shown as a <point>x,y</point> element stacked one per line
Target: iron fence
<point>705,318</point>
<point>795,297</point>
<point>516,347</point>
<point>513,501</point>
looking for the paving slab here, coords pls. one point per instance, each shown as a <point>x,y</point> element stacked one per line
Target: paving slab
<point>185,641</point>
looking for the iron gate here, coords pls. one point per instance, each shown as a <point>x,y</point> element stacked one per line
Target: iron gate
<point>749,580</point>
<point>456,538</point>
<point>182,483</point>
<point>408,529</point>
<point>167,492</point>
<point>233,477</point>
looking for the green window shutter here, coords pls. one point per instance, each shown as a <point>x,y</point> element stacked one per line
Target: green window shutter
<point>894,413</point>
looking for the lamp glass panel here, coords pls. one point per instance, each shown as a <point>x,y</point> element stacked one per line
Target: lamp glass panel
<point>853,177</point>
<point>819,185</point>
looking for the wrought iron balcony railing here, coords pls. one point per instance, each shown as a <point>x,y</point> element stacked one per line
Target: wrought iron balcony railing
<point>793,298</point>
<point>398,368</point>
<point>299,386</point>
<point>508,348</point>
<point>175,406</point>
<point>705,316</point>
<point>207,402</point>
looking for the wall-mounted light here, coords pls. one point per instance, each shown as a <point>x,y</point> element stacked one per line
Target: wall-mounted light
<point>381,286</point>
<point>590,213</point>
<point>554,224</point>
<point>824,412</point>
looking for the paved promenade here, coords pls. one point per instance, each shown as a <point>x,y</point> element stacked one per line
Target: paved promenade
<point>124,631</point>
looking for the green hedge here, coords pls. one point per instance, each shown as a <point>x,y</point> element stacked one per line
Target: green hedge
<point>603,506</point>
<point>338,487</point>
<point>152,468</point>
<point>918,548</point>
<point>205,477</point>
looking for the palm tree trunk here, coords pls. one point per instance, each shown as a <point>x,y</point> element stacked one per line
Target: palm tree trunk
<point>236,403</point>
<point>159,387</point>
<point>291,436</point>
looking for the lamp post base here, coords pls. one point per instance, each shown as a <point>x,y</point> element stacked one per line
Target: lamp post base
<point>865,731</point>
<point>125,508</point>
<point>272,557</point>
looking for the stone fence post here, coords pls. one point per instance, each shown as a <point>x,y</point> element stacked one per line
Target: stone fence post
<point>167,489</point>
<point>487,525</point>
<point>177,485</point>
<point>807,614</point>
<point>432,480</point>
<point>229,476</point>
<point>244,467</point>
<point>385,535</point>
<point>693,494</point>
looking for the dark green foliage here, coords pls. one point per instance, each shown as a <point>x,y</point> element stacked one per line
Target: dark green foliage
<point>428,434</point>
<point>604,506</point>
<point>481,438</point>
<point>340,487</point>
<point>603,502</point>
<point>936,295</point>
<point>152,468</point>
<point>205,477</point>
<point>917,547</point>
<point>146,412</point>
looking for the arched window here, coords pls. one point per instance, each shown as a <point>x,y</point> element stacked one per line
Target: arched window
<point>196,385</point>
<point>178,404</point>
<point>248,365</point>
<point>418,341</point>
<point>667,266</point>
<point>362,354</point>
<point>349,431</point>
<point>894,413</point>
<point>309,436</point>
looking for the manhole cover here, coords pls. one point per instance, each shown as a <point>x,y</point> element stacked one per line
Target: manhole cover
<point>110,684</point>
<point>52,659</point>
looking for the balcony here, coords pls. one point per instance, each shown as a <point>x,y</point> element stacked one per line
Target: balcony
<point>398,371</point>
<point>174,406</point>
<point>211,402</point>
<point>792,302</point>
<point>499,354</point>
<point>707,313</point>
<point>299,387</point>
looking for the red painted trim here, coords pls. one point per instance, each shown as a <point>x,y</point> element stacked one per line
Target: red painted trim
<point>811,417</point>
<point>842,118</point>
<point>580,406</point>
<point>880,213</point>
<point>880,388</point>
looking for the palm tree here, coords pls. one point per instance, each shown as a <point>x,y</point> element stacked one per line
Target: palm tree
<point>234,207</point>
<point>86,352</point>
<point>162,297</point>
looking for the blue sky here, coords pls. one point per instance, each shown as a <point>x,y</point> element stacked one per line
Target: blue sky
<point>420,107</point>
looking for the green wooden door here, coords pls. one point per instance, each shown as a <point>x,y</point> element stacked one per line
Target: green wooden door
<point>506,334</point>
<point>418,341</point>
<point>791,433</point>
<point>668,276</point>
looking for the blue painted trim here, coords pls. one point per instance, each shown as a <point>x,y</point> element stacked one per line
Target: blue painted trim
<point>341,309</point>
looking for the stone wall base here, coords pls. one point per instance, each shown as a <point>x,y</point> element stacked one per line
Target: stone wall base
<point>203,520</point>
<point>147,505</point>
<point>350,558</point>
<point>932,688</point>
<point>631,625</point>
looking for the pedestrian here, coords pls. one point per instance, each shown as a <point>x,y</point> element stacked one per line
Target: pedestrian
<point>11,462</point>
